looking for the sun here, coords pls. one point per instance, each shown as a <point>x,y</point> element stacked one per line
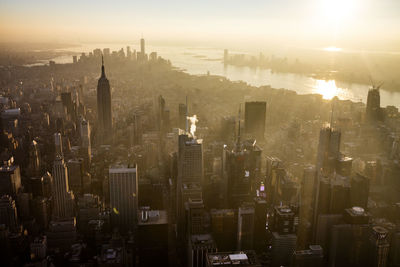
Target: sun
<point>327,89</point>
<point>338,11</point>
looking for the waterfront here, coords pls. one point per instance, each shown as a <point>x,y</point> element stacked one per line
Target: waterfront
<point>201,60</point>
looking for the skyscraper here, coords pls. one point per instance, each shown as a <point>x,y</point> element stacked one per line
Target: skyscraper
<point>104,108</point>
<point>58,144</point>
<point>379,246</point>
<point>123,183</point>
<point>190,160</point>
<point>8,213</point>
<point>359,191</point>
<point>242,170</point>
<point>328,154</point>
<point>75,174</point>
<point>260,218</point>
<point>199,247</point>
<point>254,119</point>
<point>195,218</point>
<point>152,238</point>
<point>128,52</point>
<point>349,244</point>
<point>182,120</point>
<point>283,246</point>
<point>142,48</point>
<point>224,228</point>
<point>63,199</point>
<point>245,234</point>
<point>226,56</point>
<point>10,178</point>
<point>308,184</point>
<point>328,149</point>
<point>373,111</point>
<point>85,142</point>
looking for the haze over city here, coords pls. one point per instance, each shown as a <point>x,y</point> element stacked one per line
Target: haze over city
<point>200,133</point>
<point>356,24</point>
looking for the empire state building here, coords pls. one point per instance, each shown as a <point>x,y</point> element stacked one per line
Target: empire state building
<point>104,108</point>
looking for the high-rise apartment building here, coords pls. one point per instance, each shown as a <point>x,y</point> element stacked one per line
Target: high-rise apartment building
<point>123,186</point>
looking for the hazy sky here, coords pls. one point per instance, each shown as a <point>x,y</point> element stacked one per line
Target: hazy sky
<point>356,23</point>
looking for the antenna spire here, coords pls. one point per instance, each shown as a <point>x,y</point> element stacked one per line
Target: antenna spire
<point>103,74</point>
<point>238,138</point>
<point>332,114</point>
<point>187,115</point>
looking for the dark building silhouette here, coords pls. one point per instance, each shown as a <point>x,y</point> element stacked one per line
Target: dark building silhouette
<point>10,178</point>
<point>284,220</point>
<point>152,238</point>
<point>142,46</point>
<point>312,257</point>
<point>8,213</point>
<point>306,208</point>
<point>245,233</point>
<point>199,247</point>
<point>260,219</point>
<point>379,250</point>
<point>254,119</point>
<point>104,107</point>
<point>182,116</point>
<point>283,247</point>
<point>242,171</point>
<point>374,112</point>
<point>349,245</point>
<point>283,235</point>
<point>359,191</point>
<point>224,228</point>
<point>328,149</point>
<point>273,172</point>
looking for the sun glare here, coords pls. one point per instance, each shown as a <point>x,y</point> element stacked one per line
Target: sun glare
<point>332,49</point>
<point>338,11</point>
<point>327,89</point>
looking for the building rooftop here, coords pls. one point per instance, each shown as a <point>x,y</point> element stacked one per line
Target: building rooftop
<point>194,142</point>
<point>121,169</point>
<point>111,255</point>
<point>191,186</point>
<point>237,258</point>
<point>151,217</point>
<point>205,239</point>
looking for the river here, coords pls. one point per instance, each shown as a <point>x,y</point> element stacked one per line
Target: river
<point>200,60</point>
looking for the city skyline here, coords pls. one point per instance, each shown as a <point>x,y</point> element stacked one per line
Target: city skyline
<point>310,23</point>
<point>260,134</point>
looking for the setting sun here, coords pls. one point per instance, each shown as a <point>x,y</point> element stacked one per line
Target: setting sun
<point>327,89</point>
<point>338,11</point>
<point>200,133</point>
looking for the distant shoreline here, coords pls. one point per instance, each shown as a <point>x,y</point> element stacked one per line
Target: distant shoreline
<point>301,83</point>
